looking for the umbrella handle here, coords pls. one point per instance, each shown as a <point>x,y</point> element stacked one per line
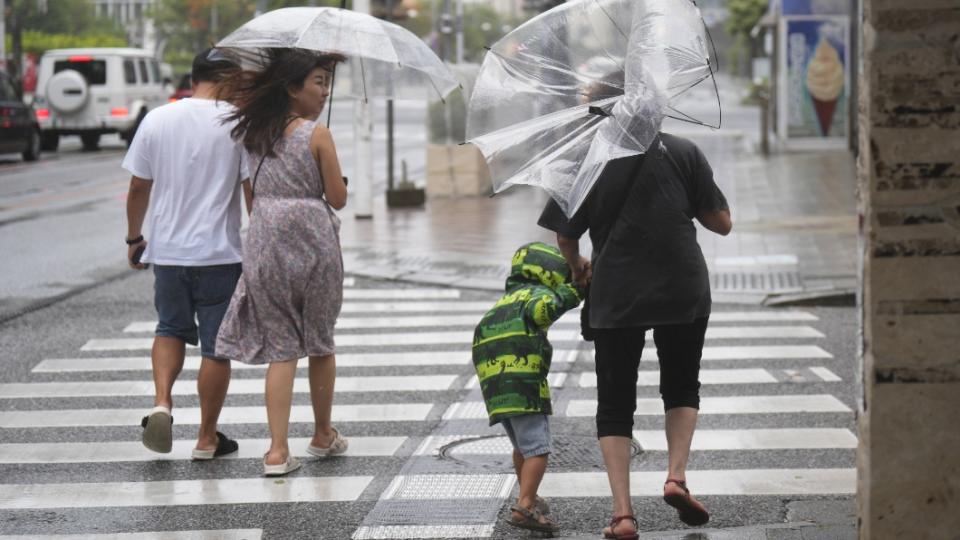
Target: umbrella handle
<point>333,79</point>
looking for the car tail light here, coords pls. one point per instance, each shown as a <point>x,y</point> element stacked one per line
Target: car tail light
<point>173,100</point>
<point>43,114</point>
<point>119,111</point>
<point>80,58</point>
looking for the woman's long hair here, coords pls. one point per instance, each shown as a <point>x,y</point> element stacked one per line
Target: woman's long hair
<point>262,98</point>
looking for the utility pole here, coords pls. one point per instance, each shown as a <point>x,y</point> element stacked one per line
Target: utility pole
<point>3,35</point>
<point>362,184</point>
<point>459,31</point>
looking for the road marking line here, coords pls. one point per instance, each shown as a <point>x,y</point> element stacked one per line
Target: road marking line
<point>801,403</point>
<point>707,376</point>
<point>124,451</point>
<point>359,323</point>
<point>213,534</point>
<point>389,412</point>
<point>400,294</point>
<point>192,363</point>
<point>754,439</point>
<point>392,383</point>
<point>725,482</point>
<point>749,352</point>
<point>416,307</point>
<point>182,492</point>
<point>343,340</point>
<point>825,374</point>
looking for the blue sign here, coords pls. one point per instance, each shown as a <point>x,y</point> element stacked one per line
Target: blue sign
<point>814,7</point>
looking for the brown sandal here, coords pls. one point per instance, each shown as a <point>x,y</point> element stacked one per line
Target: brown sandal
<point>689,510</point>
<point>608,531</point>
<point>531,520</point>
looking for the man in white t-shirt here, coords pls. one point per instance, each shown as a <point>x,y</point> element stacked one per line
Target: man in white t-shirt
<point>188,170</point>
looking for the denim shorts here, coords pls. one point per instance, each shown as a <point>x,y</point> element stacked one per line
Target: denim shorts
<point>529,434</point>
<point>192,300</point>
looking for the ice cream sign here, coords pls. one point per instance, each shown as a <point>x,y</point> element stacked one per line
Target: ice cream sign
<point>816,77</point>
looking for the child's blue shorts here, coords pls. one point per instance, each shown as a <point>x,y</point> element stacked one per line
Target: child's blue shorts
<point>529,433</point>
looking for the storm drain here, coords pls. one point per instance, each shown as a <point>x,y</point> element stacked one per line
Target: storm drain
<point>781,281</point>
<point>494,452</point>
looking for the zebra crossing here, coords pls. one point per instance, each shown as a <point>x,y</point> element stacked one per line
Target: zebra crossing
<point>419,463</point>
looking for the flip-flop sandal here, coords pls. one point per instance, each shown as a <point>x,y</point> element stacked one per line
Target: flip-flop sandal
<point>689,510</point>
<point>158,430</point>
<point>531,520</point>
<point>280,469</point>
<point>338,446</point>
<point>224,446</point>
<point>608,531</point>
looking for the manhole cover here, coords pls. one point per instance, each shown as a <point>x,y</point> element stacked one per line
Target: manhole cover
<point>494,452</point>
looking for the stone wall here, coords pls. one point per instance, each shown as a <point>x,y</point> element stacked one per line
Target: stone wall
<point>909,168</point>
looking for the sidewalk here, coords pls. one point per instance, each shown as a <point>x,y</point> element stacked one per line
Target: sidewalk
<point>795,228</point>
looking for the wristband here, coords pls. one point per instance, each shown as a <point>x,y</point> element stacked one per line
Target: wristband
<point>134,241</point>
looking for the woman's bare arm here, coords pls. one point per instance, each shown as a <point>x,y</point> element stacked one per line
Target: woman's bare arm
<point>718,222</point>
<point>325,152</point>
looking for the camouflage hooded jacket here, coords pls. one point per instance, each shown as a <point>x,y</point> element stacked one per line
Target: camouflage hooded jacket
<point>511,352</point>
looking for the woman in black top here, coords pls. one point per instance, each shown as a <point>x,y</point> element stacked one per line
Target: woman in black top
<point>647,272</point>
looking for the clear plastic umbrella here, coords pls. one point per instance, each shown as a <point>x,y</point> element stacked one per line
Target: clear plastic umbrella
<point>392,61</point>
<point>582,84</point>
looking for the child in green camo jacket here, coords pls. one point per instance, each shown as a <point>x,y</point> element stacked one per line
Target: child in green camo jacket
<point>511,354</point>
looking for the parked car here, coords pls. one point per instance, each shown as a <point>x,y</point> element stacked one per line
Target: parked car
<point>184,88</point>
<point>90,92</point>
<point>19,132</point>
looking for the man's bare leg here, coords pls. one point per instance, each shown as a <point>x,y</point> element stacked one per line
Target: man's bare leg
<point>167,358</point>
<point>212,383</point>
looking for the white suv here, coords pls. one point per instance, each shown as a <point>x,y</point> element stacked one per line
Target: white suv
<point>89,92</point>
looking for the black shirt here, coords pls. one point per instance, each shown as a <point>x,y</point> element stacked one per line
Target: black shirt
<point>648,269</point>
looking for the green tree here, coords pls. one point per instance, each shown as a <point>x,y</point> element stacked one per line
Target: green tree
<point>744,16</point>
<point>74,17</point>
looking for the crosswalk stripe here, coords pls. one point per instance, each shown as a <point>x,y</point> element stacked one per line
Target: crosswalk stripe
<point>709,482</point>
<point>754,439</point>
<point>825,374</point>
<point>757,332</point>
<point>757,316</point>
<point>212,534</point>
<point>182,492</point>
<point>125,451</point>
<point>707,376</point>
<point>750,352</point>
<point>356,323</point>
<point>192,363</point>
<point>655,440</point>
<point>472,307</point>
<point>349,282</point>
<point>803,403</point>
<point>400,294</point>
<point>388,412</point>
<point>392,383</point>
<point>343,340</point>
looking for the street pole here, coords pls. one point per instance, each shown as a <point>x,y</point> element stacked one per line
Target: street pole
<point>3,36</point>
<point>362,184</point>
<point>458,25</point>
<point>389,16</point>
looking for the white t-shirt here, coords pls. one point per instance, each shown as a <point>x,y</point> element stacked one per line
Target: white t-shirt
<point>196,169</point>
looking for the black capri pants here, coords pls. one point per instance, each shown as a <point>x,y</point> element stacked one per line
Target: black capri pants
<point>679,348</point>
